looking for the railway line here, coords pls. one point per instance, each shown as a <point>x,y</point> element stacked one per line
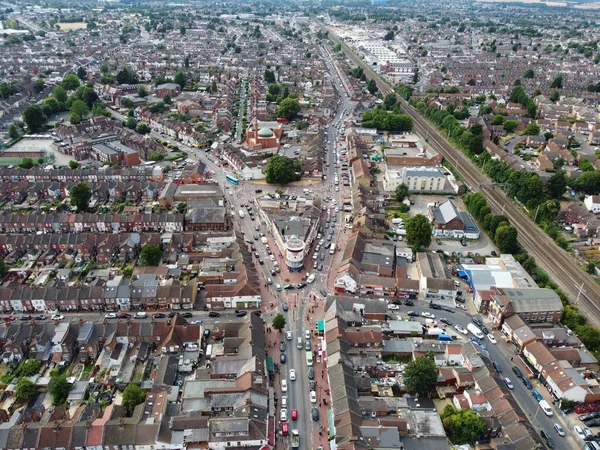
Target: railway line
<point>581,288</point>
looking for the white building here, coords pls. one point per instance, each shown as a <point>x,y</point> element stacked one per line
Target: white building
<point>418,179</point>
<point>592,203</point>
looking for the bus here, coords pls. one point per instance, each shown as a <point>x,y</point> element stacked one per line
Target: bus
<point>232,179</point>
<point>309,359</point>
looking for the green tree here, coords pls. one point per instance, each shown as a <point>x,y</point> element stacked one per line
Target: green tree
<point>557,83</point>
<point>26,163</point>
<point>60,94</point>
<point>29,367</point>
<point>26,389</point>
<point>6,90</point>
<point>557,185</point>
<point>39,85</point>
<point>133,395</point>
<point>142,91</point>
<point>86,94</point>
<point>463,426</point>
<point>511,125</point>
<point>182,30</point>
<point>282,170</point>
<point>420,376</point>
<point>554,96</point>
<point>99,109</point>
<point>288,108</point>
<point>59,387</point>
<point>418,232</point>
<point>3,268</point>
<point>167,100</point>
<point>80,110</point>
<point>73,164</point>
<point>70,82</point>
<point>390,101</point>
<point>401,192</point>
<point>52,105</point>
<point>127,76</point>
<point>80,196</point>
<point>142,128</point>
<point>279,322</point>
<point>498,119</point>
<point>213,86</point>
<point>151,255</point>
<point>532,129</point>
<point>528,73</point>
<point>82,74</point>
<point>506,239</point>
<point>586,166</point>
<point>372,87</point>
<point>588,182</point>
<point>590,336</point>
<point>13,133</point>
<point>180,79</point>
<point>269,76</point>
<point>35,118</point>
<point>548,211</point>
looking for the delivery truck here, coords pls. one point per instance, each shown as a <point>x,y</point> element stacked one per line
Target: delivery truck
<point>295,439</point>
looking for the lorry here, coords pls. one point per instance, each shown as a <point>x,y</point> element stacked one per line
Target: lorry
<point>295,439</point>
<point>241,213</point>
<point>475,331</point>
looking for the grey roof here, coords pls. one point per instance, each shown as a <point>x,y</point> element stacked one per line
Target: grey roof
<point>399,346</point>
<point>424,173</point>
<point>225,425</point>
<point>206,210</point>
<point>533,299</point>
<point>405,326</point>
<point>292,226</point>
<point>445,212</point>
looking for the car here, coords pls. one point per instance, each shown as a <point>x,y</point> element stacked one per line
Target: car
<point>494,254</point>
<point>282,346</point>
<point>320,268</point>
<point>475,340</point>
<point>307,345</point>
<point>585,417</point>
<point>288,335</point>
<point>311,373</point>
<point>491,338</point>
<point>307,335</point>
<point>588,433</point>
<point>40,317</point>
<point>546,437</point>
<point>312,385</point>
<point>284,306</point>
<point>9,318</point>
<point>428,315</point>
<point>292,375</point>
<point>438,242</point>
<point>527,383</point>
<point>497,367</point>
<point>110,316</point>
<point>25,317</point>
<point>508,383</point>
<point>159,316</point>
<point>301,285</point>
<point>579,431</point>
<point>294,414</point>
<point>57,317</point>
<point>214,314</point>
<point>446,321</point>
<point>593,423</point>
<point>485,330</point>
<point>171,314</point>
<point>537,395</point>
<point>477,321</point>
<point>123,315</point>
<point>197,322</point>
<point>409,303</point>
<point>560,430</point>
<point>284,385</point>
<point>284,401</point>
<point>435,306</point>
<point>240,313</point>
<point>412,314</point>
<point>314,414</point>
<point>393,307</point>
<point>313,397</point>
<point>461,329</point>
<point>285,429</point>
<point>282,358</point>
<point>283,415</point>
<point>517,372</point>
<point>187,315</point>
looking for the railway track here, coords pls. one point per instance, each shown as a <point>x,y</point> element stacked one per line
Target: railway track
<point>581,288</point>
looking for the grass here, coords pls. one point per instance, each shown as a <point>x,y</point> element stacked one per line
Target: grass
<point>138,373</point>
<point>391,213</point>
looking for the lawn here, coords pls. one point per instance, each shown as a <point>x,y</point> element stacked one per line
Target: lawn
<point>392,213</point>
<point>138,373</point>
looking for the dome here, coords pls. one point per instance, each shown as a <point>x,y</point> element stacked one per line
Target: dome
<point>265,133</point>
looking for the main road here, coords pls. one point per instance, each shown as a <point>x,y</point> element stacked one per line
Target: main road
<point>581,288</point>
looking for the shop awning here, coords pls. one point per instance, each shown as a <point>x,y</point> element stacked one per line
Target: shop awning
<point>321,326</point>
<point>270,366</point>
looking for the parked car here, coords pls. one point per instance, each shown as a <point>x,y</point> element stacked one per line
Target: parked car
<point>187,315</point>
<point>546,437</point>
<point>508,383</point>
<point>517,372</point>
<point>284,306</point>
<point>537,395</point>
<point>477,321</point>
<point>497,367</point>
<point>527,383</point>
<point>491,338</point>
<point>592,423</point>
<point>159,316</point>
<point>446,321</point>
<point>560,430</point>
<point>110,316</point>
<point>40,317</point>
<point>311,373</point>
<point>409,303</point>
<point>428,315</point>
<point>240,313</point>
<point>282,346</point>
<point>313,397</point>
<point>292,375</point>
<point>24,318</point>
<point>57,317</point>
<point>314,414</point>
<point>412,314</point>
<point>214,314</point>
<point>282,358</point>
<point>461,329</point>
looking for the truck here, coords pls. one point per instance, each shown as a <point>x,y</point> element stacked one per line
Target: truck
<point>264,240</point>
<point>295,439</point>
<point>434,331</point>
<point>475,331</point>
<point>241,213</point>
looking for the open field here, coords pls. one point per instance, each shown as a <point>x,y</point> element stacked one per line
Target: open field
<point>72,26</point>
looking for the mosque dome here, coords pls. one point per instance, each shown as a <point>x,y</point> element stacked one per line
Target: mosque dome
<point>265,133</point>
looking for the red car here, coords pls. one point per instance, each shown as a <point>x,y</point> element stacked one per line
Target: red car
<point>285,428</point>
<point>294,414</point>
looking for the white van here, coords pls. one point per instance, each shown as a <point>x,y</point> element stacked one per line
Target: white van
<point>546,408</point>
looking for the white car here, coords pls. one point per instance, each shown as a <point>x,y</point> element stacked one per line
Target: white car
<point>283,385</point>
<point>491,338</point>
<point>283,415</point>
<point>578,430</point>
<point>111,316</point>
<point>284,402</point>
<point>288,335</point>
<point>292,375</point>
<point>313,397</point>
<point>588,433</point>
<point>394,307</point>
<point>57,317</point>
<point>307,335</point>
<point>461,329</point>
<point>428,315</point>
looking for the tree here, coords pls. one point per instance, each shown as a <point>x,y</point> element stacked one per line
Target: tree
<point>498,119</point>
<point>510,125</point>
<point>86,94</point>
<point>213,86</point>
<point>13,133</point>
<point>554,96</point>
<point>372,87</point>
<point>418,232</point>
<point>59,94</point>
<point>142,91</point>
<point>463,426</point>
<point>588,182</point>
<point>80,196</point>
<point>532,129</point>
<point>73,164</point>
<point>51,106</point>
<point>390,101</point>
<point>557,185</point>
<point>26,389</point>
<point>389,36</point>
<point>288,108</point>
<point>82,74</point>
<point>79,110</point>
<point>35,118</point>
<point>3,268</point>
<point>279,322</point>
<point>186,62</point>
<point>127,76</point>
<point>269,76</point>
<point>70,82</point>
<point>26,163</point>
<point>557,83</point>
<point>180,79</point>
<point>59,387</point>
<point>99,109</point>
<point>39,85</point>
<point>182,30</point>
<point>133,395</point>
<point>506,239</point>
<point>282,170</point>
<point>142,128</point>
<point>151,255</point>
<point>586,166</point>
<point>420,376</point>
<point>401,192</point>
<point>528,73</point>
<point>29,367</point>
<point>6,90</point>
<point>167,100</point>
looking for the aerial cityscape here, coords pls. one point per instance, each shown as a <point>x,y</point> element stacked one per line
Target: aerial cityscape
<point>360,225</point>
